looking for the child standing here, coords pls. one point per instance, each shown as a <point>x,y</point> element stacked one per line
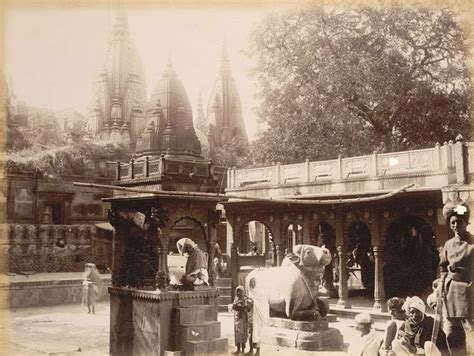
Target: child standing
<point>242,307</point>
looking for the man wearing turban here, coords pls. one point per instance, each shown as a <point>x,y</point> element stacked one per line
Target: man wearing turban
<point>415,335</point>
<point>456,265</point>
<point>196,271</point>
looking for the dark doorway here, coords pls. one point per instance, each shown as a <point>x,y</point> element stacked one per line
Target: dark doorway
<point>410,257</point>
<point>361,255</point>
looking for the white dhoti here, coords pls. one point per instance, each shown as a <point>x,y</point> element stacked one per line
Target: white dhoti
<point>428,349</point>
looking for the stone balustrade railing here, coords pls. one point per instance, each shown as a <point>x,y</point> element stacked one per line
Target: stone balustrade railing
<point>153,168</point>
<point>442,159</point>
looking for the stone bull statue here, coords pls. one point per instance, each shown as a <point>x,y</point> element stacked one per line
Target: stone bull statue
<point>292,288</point>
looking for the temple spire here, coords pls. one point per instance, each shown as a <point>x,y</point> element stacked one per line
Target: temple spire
<point>225,64</point>
<point>120,25</point>
<point>201,122</point>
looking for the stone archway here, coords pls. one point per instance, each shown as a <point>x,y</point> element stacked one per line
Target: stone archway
<point>359,243</point>
<point>410,257</point>
<point>189,227</point>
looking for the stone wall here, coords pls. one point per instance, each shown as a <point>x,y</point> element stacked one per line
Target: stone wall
<point>44,293</point>
<point>56,248</point>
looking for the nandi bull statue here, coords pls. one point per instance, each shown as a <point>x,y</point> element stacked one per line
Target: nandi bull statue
<point>292,288</point>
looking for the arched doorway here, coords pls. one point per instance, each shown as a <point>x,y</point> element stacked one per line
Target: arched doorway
<point>190,228</point>
<point>324,235</point>
<point>361,257</point>
<point>294,236</point>
<point>255,239</point>
<point>410,257</point>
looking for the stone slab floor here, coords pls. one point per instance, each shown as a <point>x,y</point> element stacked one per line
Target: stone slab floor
<point>69,330</point>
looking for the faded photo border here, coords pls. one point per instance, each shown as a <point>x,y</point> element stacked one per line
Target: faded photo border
<point>465,8</point>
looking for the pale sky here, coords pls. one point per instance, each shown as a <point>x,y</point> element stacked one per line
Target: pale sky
<point>52,56</point>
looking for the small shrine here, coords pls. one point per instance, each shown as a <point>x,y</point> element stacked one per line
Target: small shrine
<point>170,194</point>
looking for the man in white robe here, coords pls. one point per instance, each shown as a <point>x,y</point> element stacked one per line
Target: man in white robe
<point>370,341</point>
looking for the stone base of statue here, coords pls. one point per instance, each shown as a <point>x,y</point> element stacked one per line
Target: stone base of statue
<point>303,335</point>
<point>167,322</point>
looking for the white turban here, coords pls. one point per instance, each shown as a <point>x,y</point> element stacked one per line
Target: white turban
<point>414,302</point>
<point>183,242</point>
<point>363,318</point>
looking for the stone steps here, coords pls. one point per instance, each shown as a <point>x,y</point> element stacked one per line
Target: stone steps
<point>198,331</point>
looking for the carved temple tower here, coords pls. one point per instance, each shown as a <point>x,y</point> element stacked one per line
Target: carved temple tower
<point>224,111</point>
<point>169,129</point>
<point>117,113</point>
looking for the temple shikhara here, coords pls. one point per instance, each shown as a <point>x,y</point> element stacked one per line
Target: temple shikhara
<point>121,113</point>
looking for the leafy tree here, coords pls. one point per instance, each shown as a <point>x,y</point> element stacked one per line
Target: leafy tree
<point>353,81</point>
<point>232,153</point>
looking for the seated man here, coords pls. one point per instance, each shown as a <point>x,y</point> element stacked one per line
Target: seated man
<point>414,338</point>
<point>196,272</point>
<point>370,341</point>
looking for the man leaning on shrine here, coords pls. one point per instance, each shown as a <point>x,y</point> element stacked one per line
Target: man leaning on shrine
<point>196,271</point>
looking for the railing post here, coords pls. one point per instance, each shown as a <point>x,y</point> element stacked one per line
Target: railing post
<point>307,171</point>
<point>147,167</point>
<point>230,182</point>
<point>374,166</point>
<point>162,164</point>
<point>459,160</point>
<point>277,173</point>
<point>132,168</point>
<point>118,173</point>
<point>211,168</point>
<point>339,167</point>
<point>437,157</point>
<point>452,160</point>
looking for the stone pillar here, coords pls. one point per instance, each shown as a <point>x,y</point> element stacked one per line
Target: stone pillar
<point>379,292</point>
<point>159,230</point>
<point>279,255</point>
<point>234,273</point>
<point>212,238</point>
<point>163,247</point>
<point>343,277</point>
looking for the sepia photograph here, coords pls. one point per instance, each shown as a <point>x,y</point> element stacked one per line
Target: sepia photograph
<point>216,178</point>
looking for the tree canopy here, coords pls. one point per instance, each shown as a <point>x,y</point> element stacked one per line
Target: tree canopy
<point>353,81</point>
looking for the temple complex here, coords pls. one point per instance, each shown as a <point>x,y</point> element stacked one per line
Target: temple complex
<point>120,112</point>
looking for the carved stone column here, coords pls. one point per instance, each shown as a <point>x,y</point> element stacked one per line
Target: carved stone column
<point>213,220</point>
<point>343,277</point>
<point>278,255</point>
<point>163,247</point>
<point>159,230</point>
<point>234,266</point>
<point>379,290</point>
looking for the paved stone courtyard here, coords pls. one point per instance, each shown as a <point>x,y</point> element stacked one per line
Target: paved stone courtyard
<point>69,330</point>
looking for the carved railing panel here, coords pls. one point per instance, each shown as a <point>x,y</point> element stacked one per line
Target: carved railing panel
<point>356,167</point>
<point>245,177</point>
<point>292,173</point>
<point>323,170</point>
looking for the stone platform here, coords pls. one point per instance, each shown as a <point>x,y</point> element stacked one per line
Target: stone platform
<point>303,335</point>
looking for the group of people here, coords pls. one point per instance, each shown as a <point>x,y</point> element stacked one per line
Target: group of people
<point>411,331</point>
